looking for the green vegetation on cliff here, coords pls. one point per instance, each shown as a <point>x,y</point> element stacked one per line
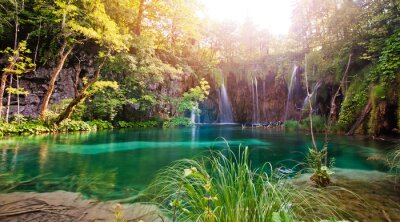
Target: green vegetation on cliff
<point>143,60</point>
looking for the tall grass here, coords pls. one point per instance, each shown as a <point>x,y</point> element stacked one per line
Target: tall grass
<point>393,161</point>
<point>226,188</point>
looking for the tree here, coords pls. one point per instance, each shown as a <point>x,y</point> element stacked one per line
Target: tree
<point>195,95</point>
<point>107,35</point>
<point>79,21</point>
<point>18,63</point>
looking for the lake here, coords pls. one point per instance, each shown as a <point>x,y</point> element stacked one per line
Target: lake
<point>116,164</point>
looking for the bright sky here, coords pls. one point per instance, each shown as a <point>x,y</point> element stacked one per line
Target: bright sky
<point>273,15</point>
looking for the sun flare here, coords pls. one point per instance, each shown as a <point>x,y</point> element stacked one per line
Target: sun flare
<point>273,15</point>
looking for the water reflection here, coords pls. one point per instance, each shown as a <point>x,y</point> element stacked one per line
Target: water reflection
<point>43,154</point>
<point>126,160</point>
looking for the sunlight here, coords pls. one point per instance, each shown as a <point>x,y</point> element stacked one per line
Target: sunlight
<point>273,15</point>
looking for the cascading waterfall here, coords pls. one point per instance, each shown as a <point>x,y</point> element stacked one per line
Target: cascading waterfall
<point>314,91</point>
<point>256,111</point>
<point>264,96</point>
<point>193,115</point>
<point>253,100</point>
<point>226,115</point>
<point>290,91</point>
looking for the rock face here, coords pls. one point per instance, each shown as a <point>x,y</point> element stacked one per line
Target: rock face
<point>251,103</point>
<point>35,84</point>
<point>257,99</point>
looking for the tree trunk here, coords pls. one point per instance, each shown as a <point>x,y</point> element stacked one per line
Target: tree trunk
<point>70,108</point>
<point>332,111</point>
<point>360,119</point>
<point>9,99</point>
<point>19,118</point>
<point>76,83</point>
<point>2,89</point>
<point>54,75</point>
<point>311,110</point>
<point>79,98</point>
<point>139,18</point>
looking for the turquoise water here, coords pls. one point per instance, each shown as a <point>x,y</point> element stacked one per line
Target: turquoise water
<point>115,164</point>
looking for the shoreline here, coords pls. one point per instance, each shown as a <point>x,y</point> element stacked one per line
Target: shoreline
<point>367,196</point>
<point>68,206</point>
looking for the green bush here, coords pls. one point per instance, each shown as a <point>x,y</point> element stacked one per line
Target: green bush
<point>141,124</point>
<point>225,188</point>
<point>319,123</point>
<point>124,124</point>
<point>74,125</point>
<point>177,121</point>
<point>291,124</point>
<point>27,127</point>
<point>100,124</point>
<point>57,108</point>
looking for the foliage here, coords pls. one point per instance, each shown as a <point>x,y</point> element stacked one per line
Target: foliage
<point>140,124</point>
<point>69,125</point>
<point>355,99</point>
<point>57,108</point>
<point>107,105</point>
<point>291,124</point>
<point>157,48</point>
<point>18,119</point>
<point>321,172</point>
<point>25,127</point>
<point>197,94</point>
<point>100,124</point>
<point>319,123</point>
<point>177,121</point>
<point>18,61</point>
<point>225,188</point>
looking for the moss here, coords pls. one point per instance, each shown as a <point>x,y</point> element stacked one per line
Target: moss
<point>378,93</point>
<point>355,99</point>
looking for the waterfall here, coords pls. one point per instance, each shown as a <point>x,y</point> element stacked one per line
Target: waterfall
<point>264,103</point>
<point>290,91</point>
<point>193,115</point>
<point>226,115</point>
<point>308,97</point>
<point>255,101</point>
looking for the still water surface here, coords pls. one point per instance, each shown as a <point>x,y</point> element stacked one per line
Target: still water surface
<point>115,164</point>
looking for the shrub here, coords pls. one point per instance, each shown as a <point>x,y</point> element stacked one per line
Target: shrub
<point>319,123</point>
<point>225,188</point>
<point>141,124</point>
<point>74,125</point>
<point>100,124</point>
<point>291,124</point>
<point>321,172</point>
<point>177,121</point>
<point>28,127</point>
